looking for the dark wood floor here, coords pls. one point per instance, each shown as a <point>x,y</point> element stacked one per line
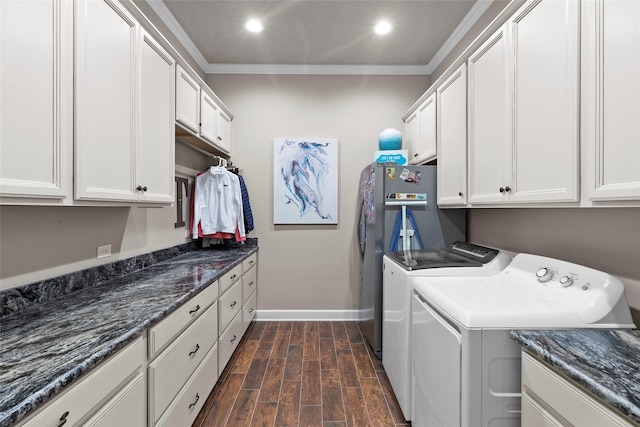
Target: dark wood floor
<point>302,374</point>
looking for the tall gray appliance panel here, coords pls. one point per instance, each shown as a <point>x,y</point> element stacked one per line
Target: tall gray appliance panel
<point>437,228</point>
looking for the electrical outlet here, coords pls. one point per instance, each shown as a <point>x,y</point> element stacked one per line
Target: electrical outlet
<point>104,251</point>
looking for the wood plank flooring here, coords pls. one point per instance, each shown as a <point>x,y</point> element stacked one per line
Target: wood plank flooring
<point>302,374</point>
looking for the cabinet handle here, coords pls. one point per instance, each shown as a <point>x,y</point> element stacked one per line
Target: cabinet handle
<point>191,353</point>
<point>501,189</point>
<point>63,419</point>
<point>196,401</point>
<point>141,188</point>
<point>233,304</point>
<point>251,310</point>
<point>507,189</point>
<point>251,262</point>
<point>195,310</point>
<point>219,138</point>
<point>233,277</point>
<point>233,339</point>
<point>251,283</point>
<point>460,193</point>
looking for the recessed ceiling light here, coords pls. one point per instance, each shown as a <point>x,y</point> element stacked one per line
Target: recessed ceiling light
<point>254,26</point>
<point>382,27</point>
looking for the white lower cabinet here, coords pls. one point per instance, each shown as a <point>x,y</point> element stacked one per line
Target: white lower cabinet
<point>127,408</point>
<point>550,400</point>
<point>87,397</point>
<point>170,371</point>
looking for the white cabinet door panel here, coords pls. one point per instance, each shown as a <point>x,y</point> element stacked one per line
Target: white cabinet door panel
<point>187,100</point>
<point>105,75</point>
<point>36,94</point>
<point>427,138</point>
<point>546,51</point>
<point>208,118</point>
<point>155,169</point>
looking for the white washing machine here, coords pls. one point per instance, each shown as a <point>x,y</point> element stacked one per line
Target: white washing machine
<point>466,367</point>
<point>399,270</point>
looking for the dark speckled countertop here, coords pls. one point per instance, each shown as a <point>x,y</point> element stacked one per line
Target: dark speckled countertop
<point>46,346</point>
<point>604,362</point>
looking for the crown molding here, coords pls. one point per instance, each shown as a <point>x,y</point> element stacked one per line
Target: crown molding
<point>174,26</point>
<point>463,27</point>
<point>316,69</point>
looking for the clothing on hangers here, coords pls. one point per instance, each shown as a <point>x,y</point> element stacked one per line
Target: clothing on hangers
<point>246,206</point>
<point>217,205</point>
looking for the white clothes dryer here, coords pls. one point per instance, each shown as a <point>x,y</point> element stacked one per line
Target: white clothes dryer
<point>399,270</point>
<point>466,367</point>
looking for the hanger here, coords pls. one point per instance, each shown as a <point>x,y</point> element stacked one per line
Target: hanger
<point>221,162</point>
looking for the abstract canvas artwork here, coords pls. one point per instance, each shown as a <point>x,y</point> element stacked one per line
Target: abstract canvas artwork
<point>305,181</point>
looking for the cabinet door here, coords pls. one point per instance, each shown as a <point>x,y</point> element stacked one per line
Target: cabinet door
<point>127,408</point>
<point>187,100</point>
<point>224,131</point>
<point>411,135</point>
<point>105,54</point>
<point>489,120</point>
<point>452,139</point>
<point>545,37</point>
<point>208,118</point>
<point>36,94</point>
<point>426,143</point>
<point>611,98</point>
<point>155,166</point>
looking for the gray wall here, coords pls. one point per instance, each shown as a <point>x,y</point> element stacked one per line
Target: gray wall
<point>310,267</point>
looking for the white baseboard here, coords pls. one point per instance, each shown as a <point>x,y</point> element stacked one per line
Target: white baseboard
<point>308,315</point>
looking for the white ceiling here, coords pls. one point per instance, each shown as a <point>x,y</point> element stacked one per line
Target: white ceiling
<point>319,36</point>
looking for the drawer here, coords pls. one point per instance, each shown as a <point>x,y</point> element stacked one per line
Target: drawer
<point>81,400</point>
<point>229,340</point>
<point>230,277</point>
<point>249,310</point>
<point>249,262</point>
<point>229,305</point>
<point>171,369</point>
<point>186,406</point>
<point>558,396</point>
<point>249,283</point>
<point>127,408</point>
<point>161,334</point>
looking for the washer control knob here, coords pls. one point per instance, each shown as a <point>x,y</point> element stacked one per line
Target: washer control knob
<point>544,275</point>
<point>566,281</point>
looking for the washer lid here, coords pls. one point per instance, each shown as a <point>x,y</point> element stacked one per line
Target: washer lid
<point>516,299</point>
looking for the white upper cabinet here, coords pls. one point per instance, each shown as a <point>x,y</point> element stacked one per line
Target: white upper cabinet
<point>224,131</point>
<point>36,95</point>
<point>156,150</point>
<point>452,139</point>
<point>425,145</point>
<point>200,115</point>
<point>187,100</point>
<point>489,120</point>
<point>123,146</point>
<point>546,69</point>
<point>410,136</point>
<point>106,48</point>
<point>524,108</point>
<point>611,98</point>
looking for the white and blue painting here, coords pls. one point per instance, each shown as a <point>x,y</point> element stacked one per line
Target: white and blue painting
<point>305,186</point>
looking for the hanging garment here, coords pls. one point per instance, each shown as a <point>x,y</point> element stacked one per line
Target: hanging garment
<point>217,205</point>
<point>246,207</point>
<point>411,233</point>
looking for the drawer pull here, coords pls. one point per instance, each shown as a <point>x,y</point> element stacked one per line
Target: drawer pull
<point>196,401</point>
<point>233,339</point>
<point>63,419</point>
<point>251,283</point>
<point>251,262</point>
<point>191,353</point>
<point>195,310</point>
<point>233,277</point>
<point>233,304</point>
<point>251,310</point>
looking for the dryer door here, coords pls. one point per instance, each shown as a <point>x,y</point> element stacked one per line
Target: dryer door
<point>436,359</point>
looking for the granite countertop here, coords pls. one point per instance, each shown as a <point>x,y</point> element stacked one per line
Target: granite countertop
<point>45,347</point>
<point>604,362</point>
